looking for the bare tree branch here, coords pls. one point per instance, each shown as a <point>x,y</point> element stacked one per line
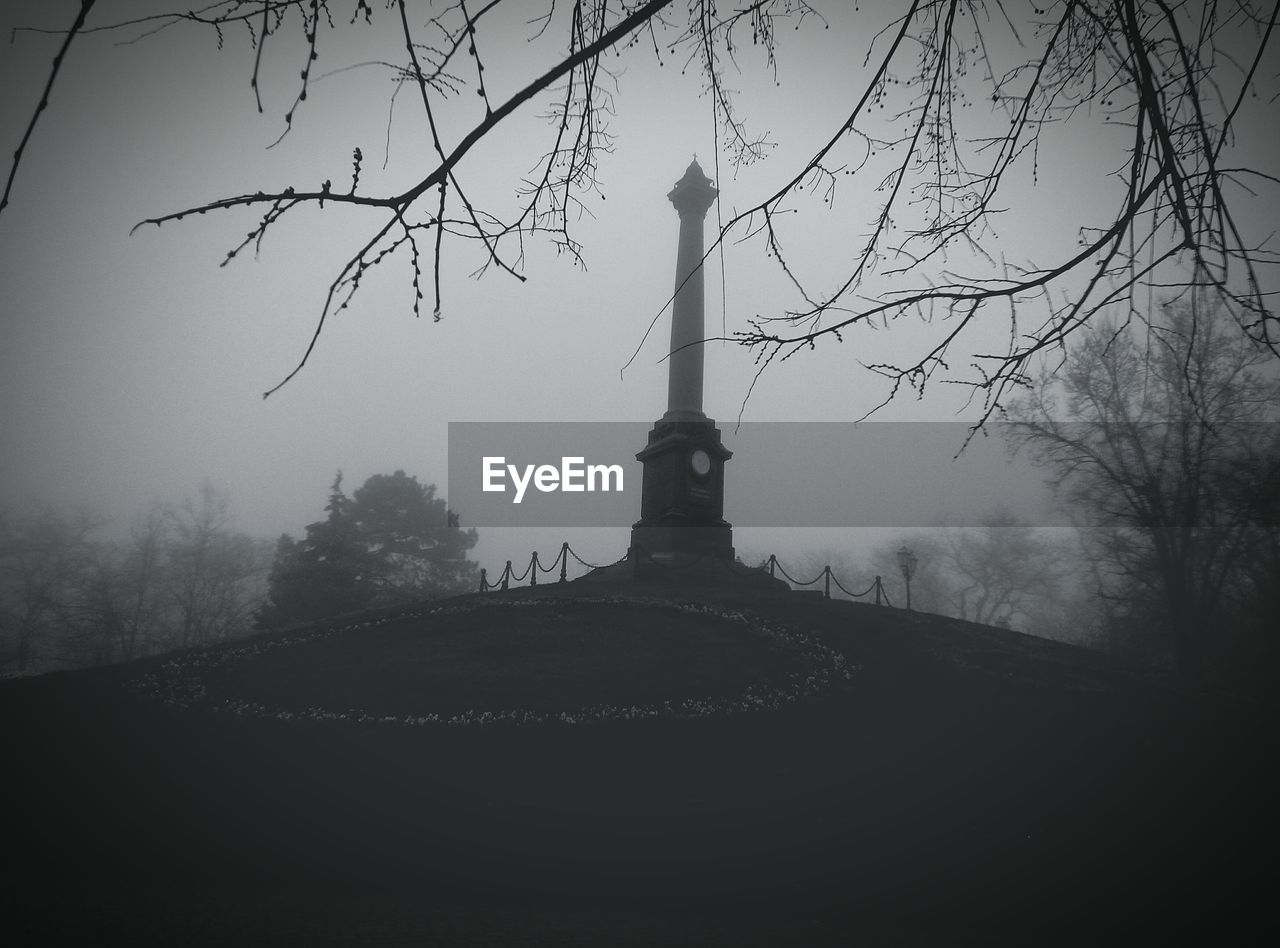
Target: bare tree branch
<point>76,28</point>
<point>948,123</point>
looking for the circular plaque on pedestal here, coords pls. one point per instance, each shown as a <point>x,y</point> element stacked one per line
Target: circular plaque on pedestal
<point>700,463</point>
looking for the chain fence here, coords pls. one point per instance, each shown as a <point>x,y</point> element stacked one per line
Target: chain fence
<point>709,564</point>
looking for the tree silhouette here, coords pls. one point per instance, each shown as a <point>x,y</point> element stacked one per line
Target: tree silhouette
<point>999,571</point>
<point>45,558</point>
<point>1170,453</point>
<point>391,543</point>
<point>419,548</point>
<point>213,572</point>
<point>949,117</point>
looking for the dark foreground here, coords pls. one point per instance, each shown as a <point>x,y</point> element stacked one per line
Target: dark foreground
<point>969,788</point>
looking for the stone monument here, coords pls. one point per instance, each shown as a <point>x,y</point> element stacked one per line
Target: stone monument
<point>682,501</point>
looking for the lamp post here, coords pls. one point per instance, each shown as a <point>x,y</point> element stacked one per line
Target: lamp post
<point>907,563</point>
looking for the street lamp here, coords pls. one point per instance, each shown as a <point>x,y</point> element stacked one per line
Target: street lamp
<point>907,563</point>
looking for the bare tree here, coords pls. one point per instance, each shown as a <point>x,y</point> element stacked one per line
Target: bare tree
<point>957,100</point>
<point>1167,447</point>
<point>45,562</point>
<point>214,575</point>
<point>140,584</point>
<point>125,612</point>
<point>999,572</point>
<point>94,632</point>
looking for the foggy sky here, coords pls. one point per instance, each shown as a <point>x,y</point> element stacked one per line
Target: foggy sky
<point>131,367</point>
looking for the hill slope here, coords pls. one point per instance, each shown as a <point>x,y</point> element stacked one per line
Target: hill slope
<point>940,782</point>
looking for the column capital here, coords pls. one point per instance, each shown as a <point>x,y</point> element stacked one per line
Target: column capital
<point>693,193</point>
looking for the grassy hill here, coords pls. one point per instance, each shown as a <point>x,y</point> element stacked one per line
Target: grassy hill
<point>605,764</point>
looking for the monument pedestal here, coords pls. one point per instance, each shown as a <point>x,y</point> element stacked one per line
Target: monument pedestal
<point>682,525</point>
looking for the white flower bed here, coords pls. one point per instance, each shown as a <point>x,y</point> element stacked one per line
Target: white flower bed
<point>180,682</point>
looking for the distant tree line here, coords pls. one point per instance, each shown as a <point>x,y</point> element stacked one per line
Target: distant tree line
<point>184,577</point>
<point>1161,436</point>
<point>1001,571</point>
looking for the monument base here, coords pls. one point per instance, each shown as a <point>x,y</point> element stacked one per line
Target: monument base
<point>661,550</point>
<point>680,543</point>
<point>673,572</point>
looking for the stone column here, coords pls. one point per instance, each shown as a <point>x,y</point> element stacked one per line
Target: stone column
<point>692,196</point>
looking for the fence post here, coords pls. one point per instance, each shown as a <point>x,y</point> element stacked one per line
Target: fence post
<point>533,569</point>
<point>826,582</point>
<point>506,575</point>
<point>564,559</point>
<point>484,582</point>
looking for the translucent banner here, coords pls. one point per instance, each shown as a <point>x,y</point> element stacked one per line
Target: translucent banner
<point>782,474</point>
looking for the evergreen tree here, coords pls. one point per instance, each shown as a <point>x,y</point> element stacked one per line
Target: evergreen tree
<point>420,550</point>
<point>393,542</point>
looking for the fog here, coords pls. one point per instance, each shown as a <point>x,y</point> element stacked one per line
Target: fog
<point>133,365</point>
<point>613,765</point>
